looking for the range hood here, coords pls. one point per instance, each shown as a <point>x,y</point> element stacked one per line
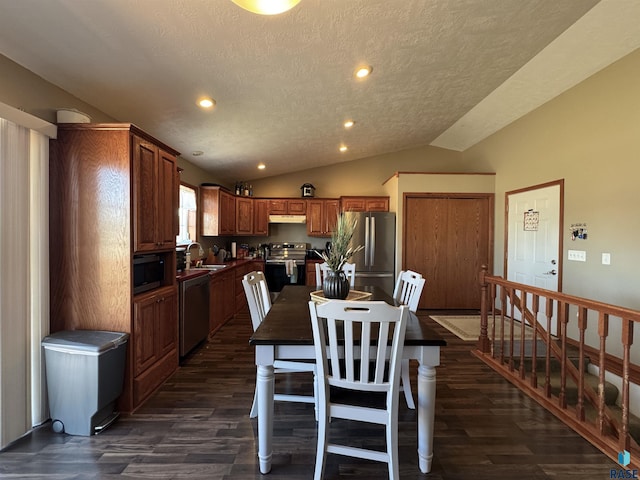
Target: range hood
<point>287,219</point>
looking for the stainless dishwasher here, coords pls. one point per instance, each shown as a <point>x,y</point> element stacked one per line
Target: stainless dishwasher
<point>194,312</point>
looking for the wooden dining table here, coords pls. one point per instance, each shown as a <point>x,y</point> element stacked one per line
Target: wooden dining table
<point>286,333</point>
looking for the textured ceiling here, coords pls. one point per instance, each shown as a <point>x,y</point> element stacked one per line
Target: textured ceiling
<point>284,84</point>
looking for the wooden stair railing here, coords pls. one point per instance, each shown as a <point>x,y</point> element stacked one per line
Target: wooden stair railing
<point>512,300</point>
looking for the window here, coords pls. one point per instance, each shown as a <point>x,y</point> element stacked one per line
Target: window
<point>187,214</point>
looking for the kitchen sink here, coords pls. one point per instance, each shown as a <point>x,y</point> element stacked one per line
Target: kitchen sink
<point>214,268</point>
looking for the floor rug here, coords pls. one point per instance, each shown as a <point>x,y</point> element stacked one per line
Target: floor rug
<point>467,327</point>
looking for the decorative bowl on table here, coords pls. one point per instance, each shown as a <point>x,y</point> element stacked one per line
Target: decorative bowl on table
<point>318,296</point>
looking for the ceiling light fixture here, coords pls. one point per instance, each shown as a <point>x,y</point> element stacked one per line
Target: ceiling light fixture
<point>364,71</point>
<point>349,124</point>
<point>206,102</point>
<point>343,148</point>
<point>267,7</point>
<point>261,166</point>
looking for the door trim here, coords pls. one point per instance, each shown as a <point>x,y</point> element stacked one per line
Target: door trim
<point>560,183</point>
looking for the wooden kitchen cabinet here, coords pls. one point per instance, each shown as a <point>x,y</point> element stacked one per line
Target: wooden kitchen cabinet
<point>111,190</point>
<point>244,215</point>
<point>240,271</point>
<point>221,306</point>
<point>154,194</point>
<point>322,215</point>
<point>310,271</point>
<point>261,216</point>
<point>364,204</point>
<point>287,206</point>
<point>218,212</point>
<point>155,340</point>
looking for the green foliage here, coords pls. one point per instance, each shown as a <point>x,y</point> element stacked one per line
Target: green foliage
<point>341,250</point>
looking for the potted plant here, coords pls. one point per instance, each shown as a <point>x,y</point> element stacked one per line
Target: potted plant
<point>335,283</point>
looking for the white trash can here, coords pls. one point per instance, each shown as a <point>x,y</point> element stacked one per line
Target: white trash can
<point>85,375</point>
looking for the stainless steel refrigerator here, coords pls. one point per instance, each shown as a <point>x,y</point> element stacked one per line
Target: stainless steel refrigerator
<point>375,264</point>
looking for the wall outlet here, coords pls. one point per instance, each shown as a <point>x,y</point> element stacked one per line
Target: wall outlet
<point>578,255</point>
<point>606,259</point>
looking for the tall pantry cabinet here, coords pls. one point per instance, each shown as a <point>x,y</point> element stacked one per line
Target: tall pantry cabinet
<point>114,195</point>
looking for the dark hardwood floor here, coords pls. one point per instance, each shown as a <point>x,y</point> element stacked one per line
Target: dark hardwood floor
<point>197,426</point>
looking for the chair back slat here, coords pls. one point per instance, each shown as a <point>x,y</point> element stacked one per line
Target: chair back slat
<point>363,331</point>
<point>408,289</point>
<point>258,297</point>
<point>348,268</point>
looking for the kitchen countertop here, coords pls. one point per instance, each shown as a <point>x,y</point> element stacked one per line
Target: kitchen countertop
<point>198,272</point>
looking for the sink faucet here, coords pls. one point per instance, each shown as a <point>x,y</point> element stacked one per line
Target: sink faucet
<point>188,249</point>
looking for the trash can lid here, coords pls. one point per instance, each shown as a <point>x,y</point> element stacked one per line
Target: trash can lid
<point>85,340</point>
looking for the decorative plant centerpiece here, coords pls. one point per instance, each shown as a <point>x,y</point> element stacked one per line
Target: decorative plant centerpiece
<point>335,283</point>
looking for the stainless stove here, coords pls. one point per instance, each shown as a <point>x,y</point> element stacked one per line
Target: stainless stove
<point>277,272</point>
<point>279,253</point>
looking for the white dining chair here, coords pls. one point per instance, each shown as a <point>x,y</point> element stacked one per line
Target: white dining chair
<point>259,301</point>
<point>356,336</point>
<point>407,291</point>
<point>348,268</point>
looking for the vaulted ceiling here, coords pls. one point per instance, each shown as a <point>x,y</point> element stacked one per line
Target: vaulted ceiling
<point>445,72</point>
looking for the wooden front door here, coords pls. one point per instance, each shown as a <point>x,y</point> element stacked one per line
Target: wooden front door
<point>447,238</point>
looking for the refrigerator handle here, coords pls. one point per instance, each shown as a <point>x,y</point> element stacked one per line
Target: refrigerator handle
<point>372,250</point>
<point>366,241</point>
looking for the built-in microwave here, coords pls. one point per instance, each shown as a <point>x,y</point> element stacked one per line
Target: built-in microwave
<point>148,272</point>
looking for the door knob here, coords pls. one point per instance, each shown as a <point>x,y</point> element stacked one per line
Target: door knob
<point>550,272</point>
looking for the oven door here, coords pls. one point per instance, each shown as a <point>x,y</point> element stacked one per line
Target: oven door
<point>276,276</point>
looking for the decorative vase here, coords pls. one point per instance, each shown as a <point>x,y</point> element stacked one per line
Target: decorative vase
<point>335,285</point>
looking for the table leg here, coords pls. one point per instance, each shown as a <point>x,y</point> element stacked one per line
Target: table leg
<point>426,415</point>
<point>265,386</point>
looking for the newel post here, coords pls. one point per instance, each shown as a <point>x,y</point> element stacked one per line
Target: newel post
<point>483,339</point>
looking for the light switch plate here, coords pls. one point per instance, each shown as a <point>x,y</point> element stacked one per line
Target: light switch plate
<point>578,255</point>
<point>606,259</point>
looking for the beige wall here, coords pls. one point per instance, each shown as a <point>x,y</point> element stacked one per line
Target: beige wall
<point>361,177</point>
<point>589,136</point>
<point>26,91</point>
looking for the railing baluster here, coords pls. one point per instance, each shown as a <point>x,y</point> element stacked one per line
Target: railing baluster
<point>547,378</point>
<point>563,313</point>
<point>627,340</point>
<point>582,326</point>
<point>603,332</point>
<point>523,323</point>
<point>535,305</point>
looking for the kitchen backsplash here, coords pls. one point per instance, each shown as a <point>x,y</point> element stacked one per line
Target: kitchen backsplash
<point>278,232</point>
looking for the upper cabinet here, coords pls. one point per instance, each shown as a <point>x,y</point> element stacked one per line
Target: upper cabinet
<point>364,204</point>
<point>154,175</point>
<point>218,212</point>
<point>244,215</point>
<point>322,215</point>
<point>287,206</point>
<point>261,216</point>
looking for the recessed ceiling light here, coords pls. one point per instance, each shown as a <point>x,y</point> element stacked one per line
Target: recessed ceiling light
<point>349,124</point>
<point>363,71</point>
<point>206,102</point>
<point>197,153</point>
<point>261,166</point>
<point>343,148</point>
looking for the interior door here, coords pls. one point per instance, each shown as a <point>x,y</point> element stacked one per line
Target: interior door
<point>534,240</point>
<point>447,238</point>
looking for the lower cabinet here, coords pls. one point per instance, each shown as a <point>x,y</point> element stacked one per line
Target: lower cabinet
<point>221,307</point>
<point>310,269</point>
<point>154,340</point>
<point>241,270</point>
